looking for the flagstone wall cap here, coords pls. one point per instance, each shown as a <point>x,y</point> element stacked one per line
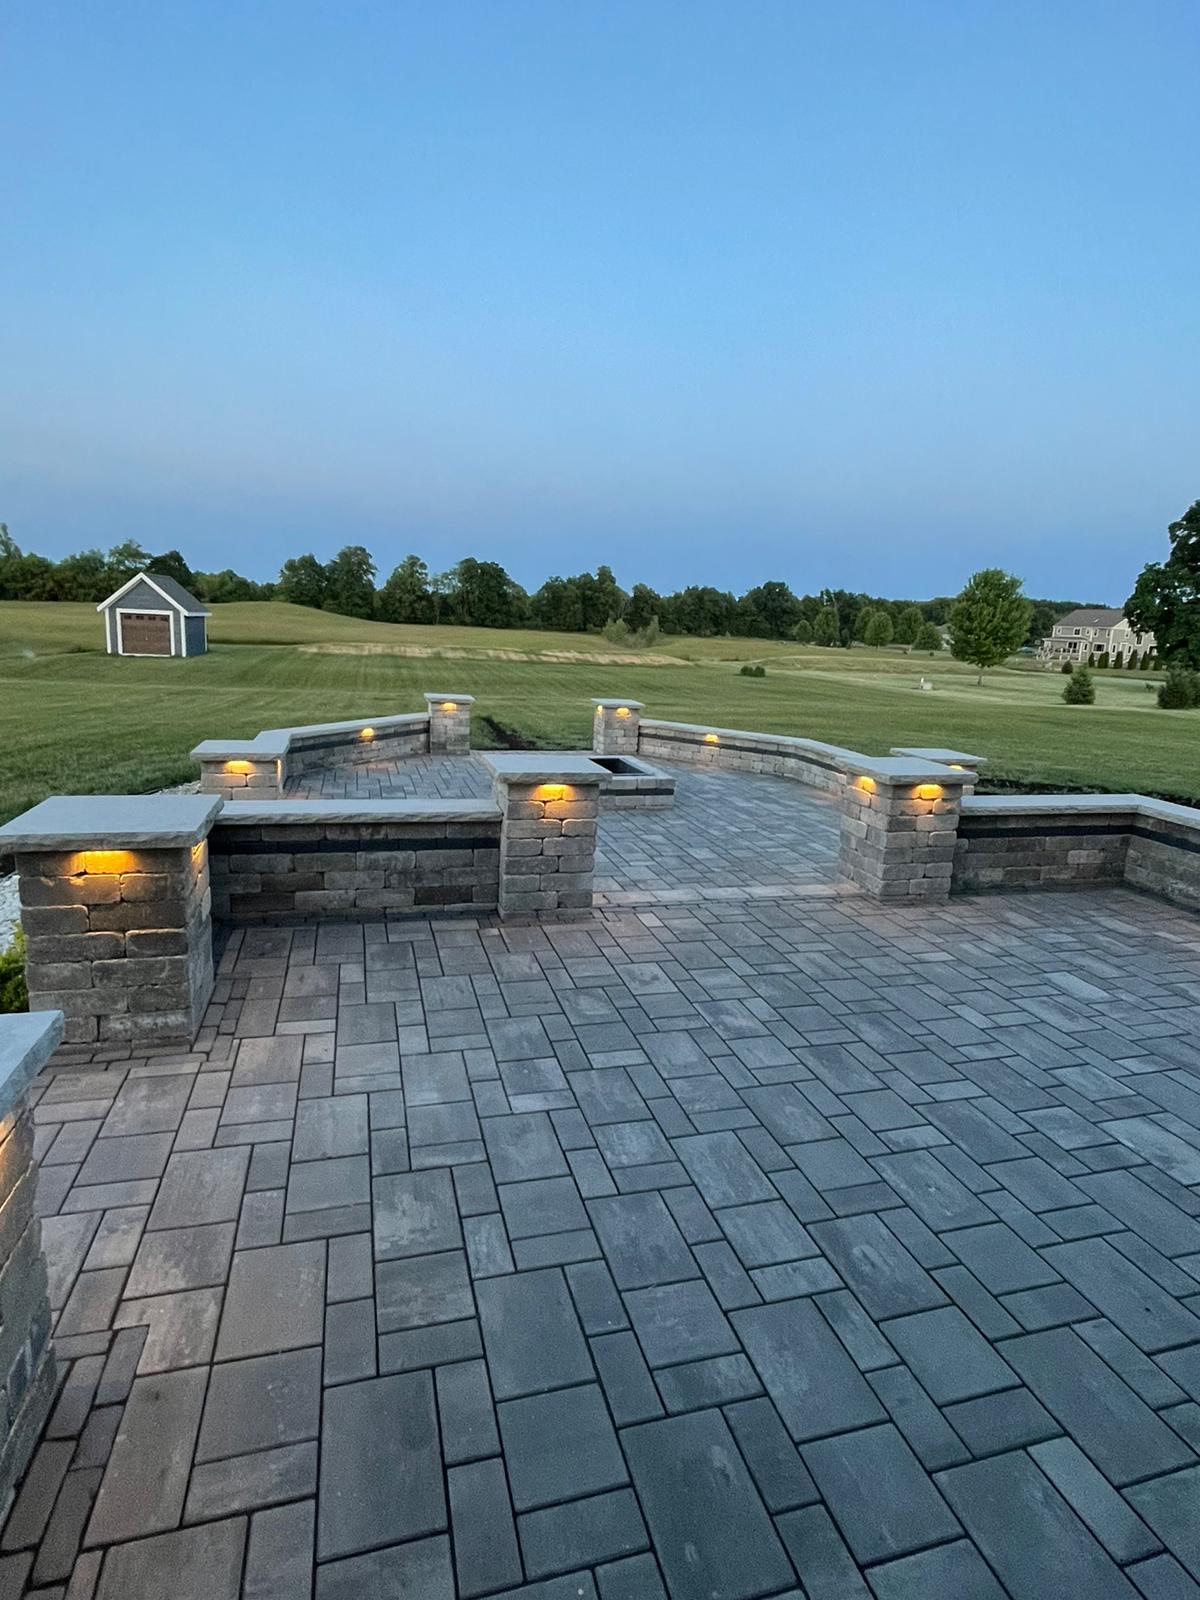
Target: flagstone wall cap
<point>542,766</point>
<point>285,813</point>
<point>27,1041</point>
<point>111,822</point>
<point>899,769</point>
<point>273,743</point>
<point>785,740</point>
<point>451,699</point>
<point>1034,805</point>
<point>615,705</point>
<point>935,753</point>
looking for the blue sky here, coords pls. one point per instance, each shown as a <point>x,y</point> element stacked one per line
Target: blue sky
<point>858,294</point>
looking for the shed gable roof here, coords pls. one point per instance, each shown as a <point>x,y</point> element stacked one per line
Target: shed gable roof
<point>173,593</point>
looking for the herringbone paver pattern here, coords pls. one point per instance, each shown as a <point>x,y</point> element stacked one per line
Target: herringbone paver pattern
<point>765,1245</point>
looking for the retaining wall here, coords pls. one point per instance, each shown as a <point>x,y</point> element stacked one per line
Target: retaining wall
<point>261,768</point>
<point>292,861</point>
<point>1010,842</point>
<point>733,750</point>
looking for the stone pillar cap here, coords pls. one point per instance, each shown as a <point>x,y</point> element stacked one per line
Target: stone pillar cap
<point>455,699</point>
<point>542,766</point>
<point>934,753</point>
<point>615,705</point>
<point>900,769</point>
<point>112,822</point>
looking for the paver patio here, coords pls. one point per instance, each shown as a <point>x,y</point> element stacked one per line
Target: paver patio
<point>747,1239</point>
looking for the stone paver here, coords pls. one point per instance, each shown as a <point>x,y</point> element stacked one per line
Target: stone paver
<point>745,1238</point>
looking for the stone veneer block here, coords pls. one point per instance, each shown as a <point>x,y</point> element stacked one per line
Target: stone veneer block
<point>899,827</point>
<point>116,908</point>
<point>550,805</point>
<point>615,727</point>
<point>27,1372</point>
<point>449,723</point>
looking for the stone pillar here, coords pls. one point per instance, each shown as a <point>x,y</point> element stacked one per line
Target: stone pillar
<point>549,805</point>
<point>27,1373</point>
<point>899,827</point>
<point>238,772</point>
<point>116,908</point>
<point>615,727</point>
<point>956,760</point>
<point>449,723</point>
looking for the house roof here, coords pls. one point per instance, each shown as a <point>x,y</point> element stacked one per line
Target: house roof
<point>1091,617</point>
<point>173,593</point>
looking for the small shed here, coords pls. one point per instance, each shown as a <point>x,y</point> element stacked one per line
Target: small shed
<point>152,615</point>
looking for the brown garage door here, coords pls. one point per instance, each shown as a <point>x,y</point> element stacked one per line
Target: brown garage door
<point>144,634</point>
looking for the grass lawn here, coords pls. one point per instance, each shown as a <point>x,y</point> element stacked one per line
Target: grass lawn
<point>72,719</point>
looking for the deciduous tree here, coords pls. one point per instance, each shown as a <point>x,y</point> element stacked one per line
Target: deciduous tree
<point>990,619</point>
<point>1166,599</point>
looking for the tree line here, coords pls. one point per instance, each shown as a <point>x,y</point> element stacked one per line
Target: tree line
<point>482,594</point>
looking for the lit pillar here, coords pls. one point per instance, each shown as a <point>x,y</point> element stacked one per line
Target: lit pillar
<point>549,806</point>
<point>240,771</point>
<point>899,828</point>
<point>117,913</point>
<point>449,723</point>
<point>615,727</point>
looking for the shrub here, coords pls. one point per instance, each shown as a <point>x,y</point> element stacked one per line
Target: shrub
<point>1131,661</point>
<point>752,670</point>
<point>14,995</point>
<point>803,631</point>
<point>1180,690</point>
<point>616,632</point>
<point>1118,660</point>
<point>1066,669</point>
<point>928,638</point>
<point>1103,661</point>
<point>1079,690</point>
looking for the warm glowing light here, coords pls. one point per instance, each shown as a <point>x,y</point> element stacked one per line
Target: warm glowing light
<point>957,766</point>
<point>239,766</point>
<point>599,711</point>
<point>928,791</point>
<point>622,711</point>
<point>867,785</point>
<point>366,733</point>
<point>554,791</point>
<point>711,738</point>
<point>110,861</point>
<point>448,706</point>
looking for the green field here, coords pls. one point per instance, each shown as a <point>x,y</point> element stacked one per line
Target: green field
<point>74,719</point>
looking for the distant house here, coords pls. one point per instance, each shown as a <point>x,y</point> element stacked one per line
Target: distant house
<point>154,616</point>
<point>1090,632</point>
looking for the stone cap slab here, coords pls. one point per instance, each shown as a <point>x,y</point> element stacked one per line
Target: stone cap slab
<point>899,769</point>
<point>27,1041</point>
<point>781,741</point>
<point>112,822</point>
<point>450,699</point>
<point>282,813</point>
<point>616,705</point>
<point>273,743</point>
<point>542,766</point>
<point>1080,805</point>
<point>936,753</point>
